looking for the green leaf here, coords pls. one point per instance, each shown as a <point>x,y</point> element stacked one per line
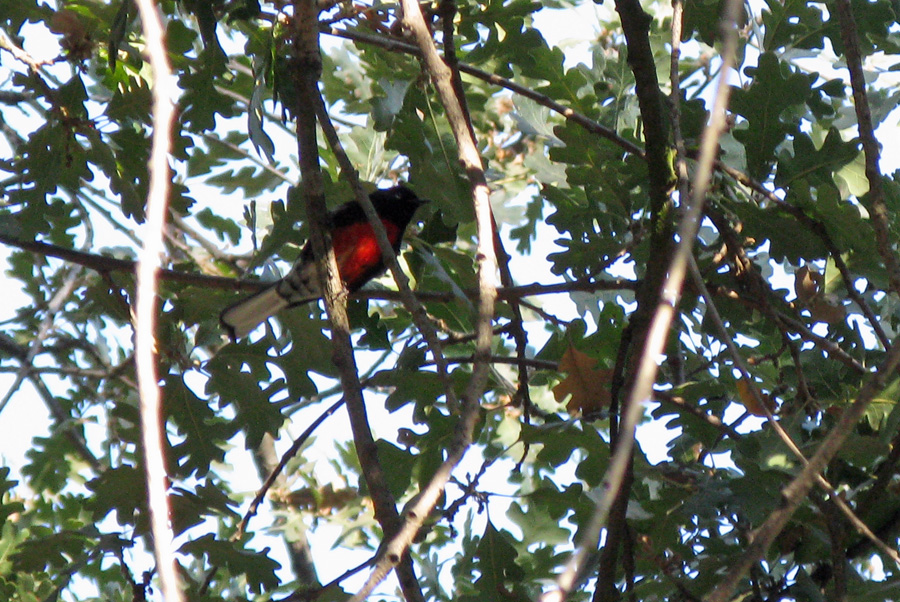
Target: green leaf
<point>8,507</point>
<point>388,106</point>
<point>121,490</point>
<point>496,563</point>
<point>203,434</point>
<point>398,465</point>
<point>49,550</point>
<point>248,392</point>
<point>225,229</point>
<point>873,21</point>
<point>537,524</point>
<point>409,386</point>
<point>793,23</point>
<point>258,568</point>
<point>775,89</point>
<point>817,166</point>
<point>261,141</point>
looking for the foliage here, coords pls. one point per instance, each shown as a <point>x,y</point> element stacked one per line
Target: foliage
<point>787,251</point>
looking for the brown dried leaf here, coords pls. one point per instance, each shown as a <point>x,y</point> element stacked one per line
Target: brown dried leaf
<point>322,500</point>
<point>587,385</point>
<point>745,394</point>
<point>68,23</point>
<point>823,310</point>
<point>76,40</point>
<point>807,284</point>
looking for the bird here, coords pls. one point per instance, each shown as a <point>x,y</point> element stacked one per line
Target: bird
<point>355,248</point>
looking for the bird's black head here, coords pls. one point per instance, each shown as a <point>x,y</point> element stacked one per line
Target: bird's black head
<point>398,203</point>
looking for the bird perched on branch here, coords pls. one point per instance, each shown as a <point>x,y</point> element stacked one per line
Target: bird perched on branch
<point>355,248</point>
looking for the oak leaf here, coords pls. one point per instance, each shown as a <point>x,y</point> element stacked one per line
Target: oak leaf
<point>807,284</point>
<point>750,400</point>
<point>587,385</point>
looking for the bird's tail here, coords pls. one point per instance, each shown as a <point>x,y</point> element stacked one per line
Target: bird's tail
<point>298,287</point>
<point>242,317</point>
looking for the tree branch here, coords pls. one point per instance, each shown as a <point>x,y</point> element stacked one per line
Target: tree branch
<point>636,26</point>
<point>418,508</point>
<point>20,55</point>
<point>794,494</point>
<point>645,374</point>
<point>415,308</point>
<point>306,69</point>
<point>876,201</point>
<point>106,265</point>
<point>152,421</point>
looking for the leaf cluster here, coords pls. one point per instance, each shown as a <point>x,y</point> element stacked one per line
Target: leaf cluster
<point>787,253</point>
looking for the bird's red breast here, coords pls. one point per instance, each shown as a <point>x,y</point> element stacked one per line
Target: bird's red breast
<point>356,250</point>
<point>357,253</point>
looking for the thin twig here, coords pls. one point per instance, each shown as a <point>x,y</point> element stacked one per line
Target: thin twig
<point>711,419</point>
<point>307,66</point>
<point>830,347</point>
<point>659,327</point>
<point>517,325</point>
<point>285,458</point>
<point>881,217</point>
<point>415,308</point>
<point>794,494</point>
<point>250,156</point>
<point>63,419</point>
<point>214,251</point>
<point>71,280</point>
<point>513,361</point>
<point>149,260</point>
<point>308,595</point>
<point>417,509</point>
